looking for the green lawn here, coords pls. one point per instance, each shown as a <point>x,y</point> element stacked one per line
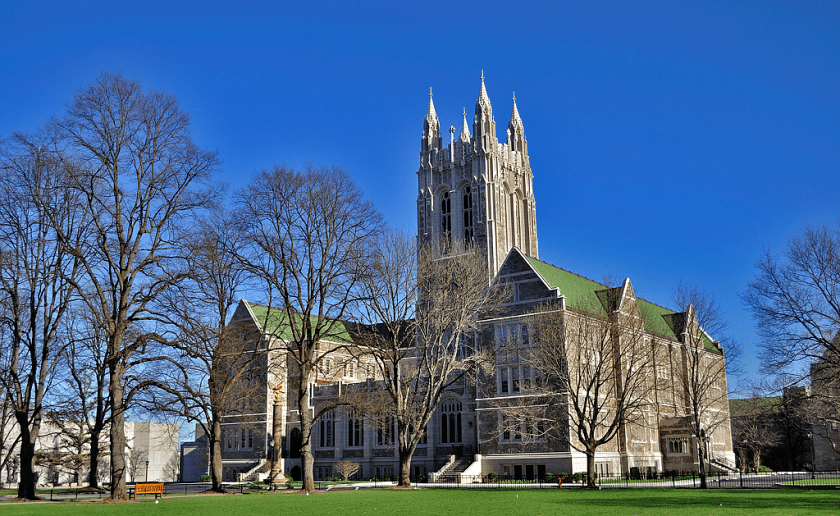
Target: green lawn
<point>612,502</point>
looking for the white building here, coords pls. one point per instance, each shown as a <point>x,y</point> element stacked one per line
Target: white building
<point>151,454</point>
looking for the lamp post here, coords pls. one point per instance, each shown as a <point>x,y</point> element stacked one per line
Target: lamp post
<point>147,472</point>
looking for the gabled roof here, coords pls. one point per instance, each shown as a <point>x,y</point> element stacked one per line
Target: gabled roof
<point>580,292</point>
<point>584,294</point>
<point>275,322</point>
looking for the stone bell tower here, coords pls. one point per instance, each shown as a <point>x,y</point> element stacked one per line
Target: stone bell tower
<point>476,192</point>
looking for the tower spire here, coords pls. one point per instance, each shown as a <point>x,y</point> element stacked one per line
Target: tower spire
<point>465,129</point>
<point>482,94</point>
<point>514,115</point>
<point>430,112</point>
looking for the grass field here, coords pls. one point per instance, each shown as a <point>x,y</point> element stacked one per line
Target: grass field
<point>613,502</point>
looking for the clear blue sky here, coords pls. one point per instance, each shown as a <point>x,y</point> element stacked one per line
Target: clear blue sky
<point>669,140</point>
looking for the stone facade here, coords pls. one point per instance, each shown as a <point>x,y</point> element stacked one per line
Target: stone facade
<point>476,194</point>
<point>477,191</point>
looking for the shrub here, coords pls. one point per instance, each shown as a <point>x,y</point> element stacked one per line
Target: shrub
<point>579,476</point>
<point>549,477</point>
<point>206,478</point>
<point>492,476</point>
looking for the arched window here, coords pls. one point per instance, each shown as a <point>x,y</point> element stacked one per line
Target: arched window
<point>469,232</point>
<point>326,430</point>
<point>385,431</point>
<point>450,421</point>
<point>355,430</point>
<point>446,220</point>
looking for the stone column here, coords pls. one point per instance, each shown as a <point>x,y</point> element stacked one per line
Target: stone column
<point>277,476</point>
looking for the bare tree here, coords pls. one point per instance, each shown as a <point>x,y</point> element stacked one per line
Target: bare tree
<point>593,372</point>
<point>420,357</point>
<point>795,300</point>
<point>216,365</point>
<point>37,274</point>
<point>137,458</point>
<point>139,187</point>
<point>346,468</point>
<point>307,233</point>
<point>70,455</point>
<point>702,372</point>
<point>755,427</point>
<point>8,440</point>
<point>83,397</point>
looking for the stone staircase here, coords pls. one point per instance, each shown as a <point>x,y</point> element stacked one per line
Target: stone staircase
<point>454,469</point>
<point>254,474</point>
<point>721,464</point>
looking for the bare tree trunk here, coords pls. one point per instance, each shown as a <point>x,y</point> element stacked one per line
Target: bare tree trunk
<point>307,460</point>
<point>590,469</point>
<point>118,469</point>
<point>405,468</point>
<point>702,457</point>
<point>93,480</point>
<point>216,454</point>
<point>26,488</point>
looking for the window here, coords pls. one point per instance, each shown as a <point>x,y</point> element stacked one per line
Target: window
<point>677,445</point>
<point>505,422</point>
<point>514,375</point>
<point>446,220</point>
<point>662,372</point>
<point>466,345</point>
<point>516,378</point>
<point>469,232</point>
<point>242,435</point>
<point>326,430</point>
<point>350,369</point>
<point>513,335</point>
<point>355,430</point>
<point>371,372</point>
<point>450,419</point>
<point>326,366</point>
<point>385,432</point>
<point>250,440</point>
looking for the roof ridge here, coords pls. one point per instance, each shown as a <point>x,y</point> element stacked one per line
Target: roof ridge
<point>600,284</point>
<point>566,270</point>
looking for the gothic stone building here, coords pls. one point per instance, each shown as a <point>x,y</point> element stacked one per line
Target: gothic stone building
<point>476,194</point>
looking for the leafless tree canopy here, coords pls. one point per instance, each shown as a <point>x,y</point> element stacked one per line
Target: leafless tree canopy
<point>307,233</point>
<point>37,282</point>
<point>421,355</point>
<point>593,376</point>
<point>139,175</point>
<point>346,468</point>
<point>214,369</point>
<point>137,458</point>
<point>795,299</point>
<point>702,376</point>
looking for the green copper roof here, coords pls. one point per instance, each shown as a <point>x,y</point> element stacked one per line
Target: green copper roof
<point>275,322</point>
<point>582,294</point>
